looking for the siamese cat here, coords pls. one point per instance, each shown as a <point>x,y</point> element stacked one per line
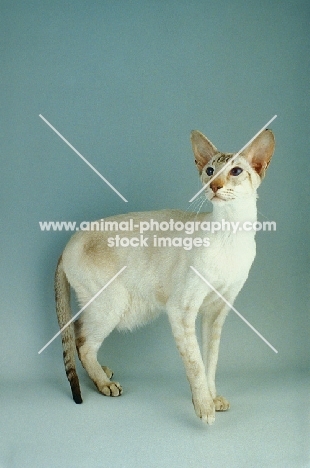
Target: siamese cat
<point>160,279</point>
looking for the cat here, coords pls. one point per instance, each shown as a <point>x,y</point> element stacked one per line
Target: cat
<point>160,278</point>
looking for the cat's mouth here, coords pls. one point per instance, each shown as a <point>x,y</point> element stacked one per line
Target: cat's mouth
<point>221,197</point>
<point>217,197</point>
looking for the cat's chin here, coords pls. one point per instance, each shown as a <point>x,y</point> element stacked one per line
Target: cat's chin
<point>216,199</point>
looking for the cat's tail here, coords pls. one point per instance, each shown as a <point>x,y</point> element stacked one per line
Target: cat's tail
<point>63,310</point>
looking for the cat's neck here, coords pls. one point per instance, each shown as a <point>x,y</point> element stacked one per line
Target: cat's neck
<point>238,210</point>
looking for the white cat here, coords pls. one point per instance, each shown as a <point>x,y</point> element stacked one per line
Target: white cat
<point>161,278</point>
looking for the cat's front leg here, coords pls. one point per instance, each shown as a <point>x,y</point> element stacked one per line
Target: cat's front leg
<point>212,323</point>
<point>183,329</point>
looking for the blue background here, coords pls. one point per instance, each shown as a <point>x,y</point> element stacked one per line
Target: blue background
<point>125,82</point>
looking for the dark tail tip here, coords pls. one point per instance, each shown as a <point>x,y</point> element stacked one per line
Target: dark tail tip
<point>78,399</point>
<point>75,389</point>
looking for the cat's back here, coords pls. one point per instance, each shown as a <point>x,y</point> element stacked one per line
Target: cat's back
<point>132,224</point>
<point>91,247</point>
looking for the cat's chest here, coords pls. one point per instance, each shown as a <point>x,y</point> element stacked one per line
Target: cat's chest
<point>230,258</point>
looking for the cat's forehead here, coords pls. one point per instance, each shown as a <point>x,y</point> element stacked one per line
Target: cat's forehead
<point>221,158</point>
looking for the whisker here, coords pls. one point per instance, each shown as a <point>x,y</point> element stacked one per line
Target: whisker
<point>196,207</point>
<point>196,203</point>
<point>201,205</point>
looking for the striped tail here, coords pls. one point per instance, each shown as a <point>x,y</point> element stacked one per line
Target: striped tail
<point>63,310</point>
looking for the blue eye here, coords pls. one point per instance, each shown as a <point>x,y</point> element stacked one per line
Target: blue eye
<point>209,171</point>
<point>235,171</point>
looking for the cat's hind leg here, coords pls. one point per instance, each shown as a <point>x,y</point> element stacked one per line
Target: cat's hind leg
<point>108,371</point>
<point>91,329</point>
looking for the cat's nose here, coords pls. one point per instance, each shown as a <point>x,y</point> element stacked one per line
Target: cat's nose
<point>215,186</point>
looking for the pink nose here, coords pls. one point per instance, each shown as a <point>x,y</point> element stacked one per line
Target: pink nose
<point>215,187</point>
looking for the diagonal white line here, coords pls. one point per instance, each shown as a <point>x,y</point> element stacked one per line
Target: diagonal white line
<point>82,157</point>
<point>235,310</point>
<point>232,159</point>
<point>83,308</point>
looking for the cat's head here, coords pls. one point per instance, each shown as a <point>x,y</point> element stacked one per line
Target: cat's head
<point>241,176</point>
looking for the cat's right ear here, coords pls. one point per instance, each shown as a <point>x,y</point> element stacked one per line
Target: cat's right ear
<point>260,151</point>
<point>203,149</point>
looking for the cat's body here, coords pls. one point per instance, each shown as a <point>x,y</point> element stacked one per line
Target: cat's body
<point>161,278</point>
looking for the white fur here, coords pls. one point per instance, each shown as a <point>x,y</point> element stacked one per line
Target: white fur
<point>160,279</point>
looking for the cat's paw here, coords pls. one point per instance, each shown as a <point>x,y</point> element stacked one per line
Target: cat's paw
<point>108,372</point>
<point>221,404</point>
<point>205,410</point>
<point>112,389</point>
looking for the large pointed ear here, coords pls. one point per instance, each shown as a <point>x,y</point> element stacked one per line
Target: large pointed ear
<point>260,151</point>
<point>203,149</point>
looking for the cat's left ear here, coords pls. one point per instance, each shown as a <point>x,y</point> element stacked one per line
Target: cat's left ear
<point>203,149</point>
<point>260,151</point>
